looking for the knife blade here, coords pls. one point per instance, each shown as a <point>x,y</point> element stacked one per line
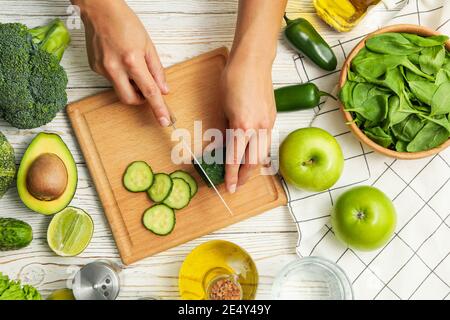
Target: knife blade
<point>188,147</point>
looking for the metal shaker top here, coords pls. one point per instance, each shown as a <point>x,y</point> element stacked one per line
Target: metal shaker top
<point>96,281</point>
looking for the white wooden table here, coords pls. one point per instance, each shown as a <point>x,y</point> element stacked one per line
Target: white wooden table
<point>180,29</point>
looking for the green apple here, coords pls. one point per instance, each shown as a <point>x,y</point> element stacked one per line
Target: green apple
<point>311,159</point>
<point>364,218</point>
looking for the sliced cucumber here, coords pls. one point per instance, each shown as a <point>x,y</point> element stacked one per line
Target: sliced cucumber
<point>180,195</point>
<point>159,219</point>
<point>161,187</point>
<point>138,177</point>
<point>188,178</point>
<point>215,171</point>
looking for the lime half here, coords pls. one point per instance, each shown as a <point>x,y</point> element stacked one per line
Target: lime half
<point>61,294</point>
<point>70,232</point>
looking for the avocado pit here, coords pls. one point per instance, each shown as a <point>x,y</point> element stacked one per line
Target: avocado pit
<point>47,177</point>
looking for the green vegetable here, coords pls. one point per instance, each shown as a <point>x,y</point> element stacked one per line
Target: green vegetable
<point>398,91</point>
<point>425,42</point>
<point>138,177</point>
<point>32,82</point>
<point>379,136</point>
<point>14,234</point>
<point>188,178</point>
<point>302,36</point>
<point>13,290</point>
<point>7,165</point>
<point>214,169</point>
<point>159,219</point>
<point>430,136</point>
<point>440,102</point>
<point>298,97</point>
<point>431,59</point>
<point>392,43</point>
<point>179,195</point>
<point>161,187</point>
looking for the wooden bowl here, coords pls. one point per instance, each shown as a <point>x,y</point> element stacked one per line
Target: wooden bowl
<point>405,28</point>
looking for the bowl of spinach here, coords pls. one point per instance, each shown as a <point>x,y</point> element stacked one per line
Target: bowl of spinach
<point>395,91</point>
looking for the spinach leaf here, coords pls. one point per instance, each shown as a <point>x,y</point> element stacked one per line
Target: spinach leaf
<point>425,42</point>
<point>346,93</point>
<point>374,65</point>
<point>392,43</point>
<point>439,120</point>
<point>373,109</point>
<point>442,76</point>
<point>431,59</point>
<point>400,146</point>
<point>440,102</point>
<point>379,136</point>
<point>408,128</point>
<point>397,110</point>
<point>423,90</point>
<point>361,91</point>
<point>414,58</point>
<point>411,76</point>
<point>430,136</point>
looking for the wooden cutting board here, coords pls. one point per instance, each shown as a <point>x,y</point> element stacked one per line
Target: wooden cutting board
<point>112,135</point>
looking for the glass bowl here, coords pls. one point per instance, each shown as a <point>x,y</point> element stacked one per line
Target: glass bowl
<point>312,278</point>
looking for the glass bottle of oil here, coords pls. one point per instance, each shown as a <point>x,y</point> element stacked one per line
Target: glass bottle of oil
<point>218,270</point>
<point>343,15</point>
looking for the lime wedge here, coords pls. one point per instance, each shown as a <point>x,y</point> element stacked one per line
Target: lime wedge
<point>70,232</point>
<point>61,294</point>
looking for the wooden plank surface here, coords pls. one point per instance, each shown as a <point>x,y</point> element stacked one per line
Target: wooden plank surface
<point>180,29</point>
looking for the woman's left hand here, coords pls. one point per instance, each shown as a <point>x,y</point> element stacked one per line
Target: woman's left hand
<point>249,105</point>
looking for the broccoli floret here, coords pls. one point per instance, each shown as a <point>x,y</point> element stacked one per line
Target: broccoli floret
<point>32,82</point>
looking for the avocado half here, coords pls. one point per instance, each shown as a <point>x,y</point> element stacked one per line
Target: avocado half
<point>47,143</point>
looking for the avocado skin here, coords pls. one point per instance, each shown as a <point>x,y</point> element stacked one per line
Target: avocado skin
<point>14,234</point>
<point>47,143</point>
<point>215,171</point>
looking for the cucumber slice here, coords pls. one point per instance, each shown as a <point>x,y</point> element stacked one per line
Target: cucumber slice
<point>159,219</point>
<point>138,177</point>
<point>180,195</point>
<point>160,188</point>
<point>188,178</point>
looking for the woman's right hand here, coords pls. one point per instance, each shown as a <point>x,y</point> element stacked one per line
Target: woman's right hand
<point>120,49</point>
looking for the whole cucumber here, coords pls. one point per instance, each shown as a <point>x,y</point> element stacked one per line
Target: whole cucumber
<point>298,97</point>
<point>14,234</point>
<point>302,36</point>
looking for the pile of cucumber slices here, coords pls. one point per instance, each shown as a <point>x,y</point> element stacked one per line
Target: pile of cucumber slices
<point>168,192</point>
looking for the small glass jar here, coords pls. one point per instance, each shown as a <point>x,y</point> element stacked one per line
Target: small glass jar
<point>343,15</point>
<point>312,278</point>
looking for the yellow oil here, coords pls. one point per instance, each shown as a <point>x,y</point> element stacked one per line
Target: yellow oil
<point>343,15</point>
<point>213,260</point>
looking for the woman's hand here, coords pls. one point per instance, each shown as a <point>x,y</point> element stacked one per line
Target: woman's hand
<point>120,49</point>
<point>249,106</point>
<point>248,97</point>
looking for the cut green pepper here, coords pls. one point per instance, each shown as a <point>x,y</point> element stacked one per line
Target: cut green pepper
<point>298,97</point>
<point>302,36</point>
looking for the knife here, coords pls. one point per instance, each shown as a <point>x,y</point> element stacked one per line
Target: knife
<point>173,120</point>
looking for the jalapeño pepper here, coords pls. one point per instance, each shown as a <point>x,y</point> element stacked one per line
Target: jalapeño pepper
<point>298,97</point>
<point>302,36</point>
